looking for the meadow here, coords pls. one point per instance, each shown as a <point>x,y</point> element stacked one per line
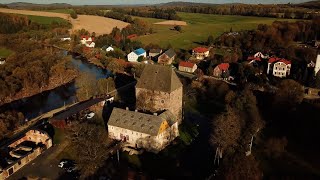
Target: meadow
<point>199,27</point>
<point>4,52</point>
<point>45,20</point>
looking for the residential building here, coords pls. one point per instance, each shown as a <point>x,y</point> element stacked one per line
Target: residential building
<point>222,71</point>
<point>155,52</point>
<point>200,53</point>
<point>317,66</point>
<point>167,57</point>
<point>87,41</point>
<point>22,151</point>
<point>260,55</point>
<point>163,89</point>
<point>2,61</point>
<point>140,130</point>
<point>65,39</point>
<point>131,36</point>
<point>279,67</point>
<point>134,55</point>
<point>187,66</point>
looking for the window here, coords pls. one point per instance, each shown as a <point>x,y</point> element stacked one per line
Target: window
<point>19,162</point>
<point>162,101</point>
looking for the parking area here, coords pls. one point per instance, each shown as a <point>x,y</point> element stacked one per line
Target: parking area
<point>44,166</point>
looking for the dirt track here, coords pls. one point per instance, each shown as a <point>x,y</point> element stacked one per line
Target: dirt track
<point>171,22</point>
<point>97,24</point>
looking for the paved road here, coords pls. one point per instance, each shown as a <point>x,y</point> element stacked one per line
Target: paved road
<point>42,167</point>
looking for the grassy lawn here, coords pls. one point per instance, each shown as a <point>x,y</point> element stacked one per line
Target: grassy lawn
<point>45,20</point>
<point>4,52</point>
<point>199,27</point>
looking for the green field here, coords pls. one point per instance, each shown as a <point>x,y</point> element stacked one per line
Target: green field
<point>199,27</point>
<point>64,11</point>
<point>45,20</point>
<point>5,52</point>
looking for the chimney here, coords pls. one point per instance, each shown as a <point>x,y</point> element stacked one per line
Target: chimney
<point>127,108</point>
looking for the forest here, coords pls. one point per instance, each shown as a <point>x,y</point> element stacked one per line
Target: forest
<point>159,13</point>
<point>278,11</point>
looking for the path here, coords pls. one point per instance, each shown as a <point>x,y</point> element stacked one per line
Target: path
<point>99,25</point>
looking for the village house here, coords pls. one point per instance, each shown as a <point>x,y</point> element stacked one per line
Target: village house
<point>131,36</point>
<point>187,67</point>
<point>107,48</point>
<point>260,55</point>
<point>279,67</point>
<point>167,57</point>
<point>140,130</point>
<point>200,53</point>
<point>317,65</point>
<point>134,55</point>
<point>2,61</point>
<point>154,126</point>
<point>65,39</point>
<point>20,152</point>
<point>87,41</point>
<point>222,71</point>
<point>154,52</point>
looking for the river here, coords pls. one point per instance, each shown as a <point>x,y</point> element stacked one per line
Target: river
<point>35,105</point>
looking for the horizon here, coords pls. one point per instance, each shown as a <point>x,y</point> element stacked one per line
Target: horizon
<point>147,2</point>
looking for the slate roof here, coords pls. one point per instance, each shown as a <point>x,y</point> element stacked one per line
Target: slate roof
<point>170,53</point>
<point>167,115</point>
<point>159,78</point>
<point>155,51</point>
<point>135,121</point>
<point>139,51</point>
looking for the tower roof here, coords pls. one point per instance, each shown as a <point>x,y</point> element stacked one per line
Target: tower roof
<point>159,78</point>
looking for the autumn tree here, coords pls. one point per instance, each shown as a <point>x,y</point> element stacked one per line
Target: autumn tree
<point>289,94</point>
<point>74,15</point>
<point>106,85</point>
<point>90,144</point>
<point>86,85</point>
<point>227,130</point>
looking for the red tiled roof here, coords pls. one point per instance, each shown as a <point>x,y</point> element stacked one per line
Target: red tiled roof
<point>87,37</point>
<point>250,58</point>
<point>224,66</point>
<point>186,64</point>
<point>132,36</point>
<point>273,59</point>
<point>200,49</point>
<point>285,61</point>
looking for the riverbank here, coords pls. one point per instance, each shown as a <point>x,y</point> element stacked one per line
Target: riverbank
<point>54,82</point>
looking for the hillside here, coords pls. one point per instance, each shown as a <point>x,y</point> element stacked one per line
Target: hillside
<point>310,4</point>
<point>31,5</point>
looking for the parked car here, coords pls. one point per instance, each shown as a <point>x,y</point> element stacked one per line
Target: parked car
<point>67,165</point>
<point>89,115</point>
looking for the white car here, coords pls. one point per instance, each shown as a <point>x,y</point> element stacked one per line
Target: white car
<point>90,115</point>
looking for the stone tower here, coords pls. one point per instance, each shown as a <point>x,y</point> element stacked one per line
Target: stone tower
<point>159,89</point>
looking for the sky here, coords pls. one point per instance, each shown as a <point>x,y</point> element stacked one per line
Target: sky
<point>118,2</point>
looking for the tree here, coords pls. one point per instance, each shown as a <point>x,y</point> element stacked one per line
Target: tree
<point>289,94</point>
<point>73,15</point>
<point>106,85</point>
<point>90,144</point>
<point>227,129</point>
<point>86,86</point>
<point>210,40</point>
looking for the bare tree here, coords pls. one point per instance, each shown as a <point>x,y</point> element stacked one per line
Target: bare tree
<point>90,144</point>
<point>86,86</point>
<point>145,101</point>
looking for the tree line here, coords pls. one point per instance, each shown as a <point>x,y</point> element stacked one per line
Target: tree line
<point>277,11</point>
<point>159,13</point>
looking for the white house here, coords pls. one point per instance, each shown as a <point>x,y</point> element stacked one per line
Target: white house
<point>260,55</point>
<point>87,41</point>
<point>139,130</point>
<point>187,67</point>
<point>317,66</point>
<point>134,55</point>
<point>279,67</point>
<point>2,61</point>
<point>200,53</point>
<point>65,39</point>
